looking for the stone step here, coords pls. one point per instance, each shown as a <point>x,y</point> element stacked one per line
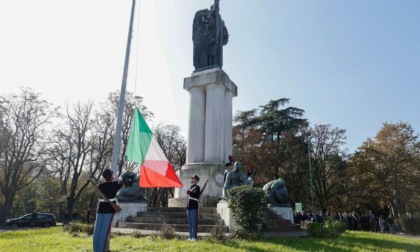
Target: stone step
<point>155,217</point>
<point>278,224</point>
<point>284,228</point>
<point>156,226</point>
<point>176,214</point>
<point>180,209</point>
<point>183,220</point>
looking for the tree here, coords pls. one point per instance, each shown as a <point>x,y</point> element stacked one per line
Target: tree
<point>274,121</point>
<point>245,134</point>
<point>172,143</point>
<point>386,167</point>
<point>74,148</point>
<point>294,165</point>
<point>84,143</point>
<point>174,147</point>
<point>259,137</point>
<point>131,102</point>
<point>328,163</point>
<point>250,148</point>
<point>43,195</point>
<point>244,120</point>
<point>364,184</point>
<point>24,119</point>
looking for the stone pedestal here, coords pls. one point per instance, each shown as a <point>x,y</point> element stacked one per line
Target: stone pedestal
<point>210,118</point>
<point>209,140</point>
<point>285,212</point>
<point>206,171</point>
<point>129,209</point>
<point>225,213</point>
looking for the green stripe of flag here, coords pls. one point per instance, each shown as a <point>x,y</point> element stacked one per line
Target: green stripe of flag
<point>140,139</point>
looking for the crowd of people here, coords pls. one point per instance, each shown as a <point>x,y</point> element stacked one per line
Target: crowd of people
<point>363,222</point>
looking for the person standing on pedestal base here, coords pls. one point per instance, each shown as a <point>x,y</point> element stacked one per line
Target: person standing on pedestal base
<point>192,207</point>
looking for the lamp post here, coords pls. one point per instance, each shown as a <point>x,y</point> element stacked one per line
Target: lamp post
<point>308,134</point>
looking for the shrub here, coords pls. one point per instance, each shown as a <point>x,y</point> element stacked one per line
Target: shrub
<point>218,233</point>
<point>88,229</point>
<point>76,228</point>
<point>136,234</point>
<point>411,226</point>
<point>249,211</point>
<point>328,229</point>
<point>167,231</point>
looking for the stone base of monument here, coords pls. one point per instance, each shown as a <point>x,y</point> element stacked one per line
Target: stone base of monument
<point>211,194</point>
<point>225,213</point>
<point>129,209</point>
<point>286,212</point>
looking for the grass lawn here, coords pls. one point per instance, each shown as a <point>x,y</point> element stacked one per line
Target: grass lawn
<point>55,239</point>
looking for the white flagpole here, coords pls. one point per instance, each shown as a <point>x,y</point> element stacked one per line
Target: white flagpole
<point>118,131</point>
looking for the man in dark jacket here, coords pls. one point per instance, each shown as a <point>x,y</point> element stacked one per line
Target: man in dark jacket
<point>192,207</point>
<point>33,218</point>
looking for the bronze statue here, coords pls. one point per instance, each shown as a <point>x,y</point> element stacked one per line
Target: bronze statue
<point>235,178</point>
<point>209,37</point>
<point>131,192</point>
<point>276,192</point>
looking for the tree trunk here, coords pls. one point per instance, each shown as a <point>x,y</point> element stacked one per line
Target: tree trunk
<point>7,207</point>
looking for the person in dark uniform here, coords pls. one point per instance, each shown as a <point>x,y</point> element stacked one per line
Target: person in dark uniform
<point>192,207</point>
<point>105,212</point>
<point>88,213</point>
<point>33,218</point>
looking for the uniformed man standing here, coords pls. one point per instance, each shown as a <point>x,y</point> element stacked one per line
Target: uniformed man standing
<point>105,212</point>
<point>192,207</point>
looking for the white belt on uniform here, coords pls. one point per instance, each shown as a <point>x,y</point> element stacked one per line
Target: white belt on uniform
<point>113,199</point>
<point>193,198</point>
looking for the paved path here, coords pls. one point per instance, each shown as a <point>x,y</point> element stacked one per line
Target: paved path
<point>186,234</point>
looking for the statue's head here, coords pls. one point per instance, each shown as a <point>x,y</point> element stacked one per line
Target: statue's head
<point>280,181</point>
<point>237,166</point>
<point>206,16</point>
<point>129,178</point>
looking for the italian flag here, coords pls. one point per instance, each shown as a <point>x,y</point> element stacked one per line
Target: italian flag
<point>142,148</point>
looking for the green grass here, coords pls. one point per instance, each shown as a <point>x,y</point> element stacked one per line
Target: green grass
<point>55,239</point>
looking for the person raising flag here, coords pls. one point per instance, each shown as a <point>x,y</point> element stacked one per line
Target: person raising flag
<point>105,211</point>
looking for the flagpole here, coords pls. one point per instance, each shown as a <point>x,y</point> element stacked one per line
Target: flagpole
<point>118,131</point>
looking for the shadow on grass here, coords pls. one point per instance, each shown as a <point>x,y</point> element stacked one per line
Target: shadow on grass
<point>284,243</point>
<point>310,244</point>
<point>400,244</point>
<point>347,242</point>
<point>238,244</point>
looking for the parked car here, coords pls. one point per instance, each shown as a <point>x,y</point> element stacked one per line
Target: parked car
<point>42,220</point>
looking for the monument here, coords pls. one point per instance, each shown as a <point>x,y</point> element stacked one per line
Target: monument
<point>234,178</point>
<point>278,198</point>
<point>131,192</point>
<point>209,37</point>
<point>130,198</point>
<point>209,140</point>
<point>277,193</point>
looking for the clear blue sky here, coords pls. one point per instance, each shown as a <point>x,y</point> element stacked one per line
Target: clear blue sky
<point>350,63</point>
